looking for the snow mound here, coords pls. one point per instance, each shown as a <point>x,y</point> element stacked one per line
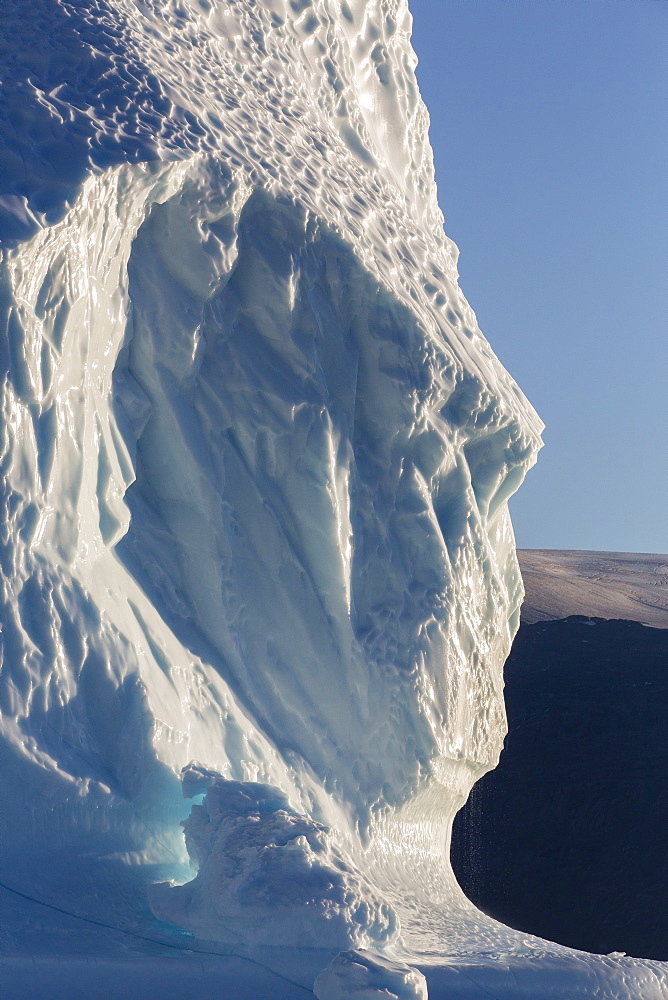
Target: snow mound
<point>269,876</point>
<point>361,975</point>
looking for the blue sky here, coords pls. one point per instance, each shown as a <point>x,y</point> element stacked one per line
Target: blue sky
<point>549,128</point>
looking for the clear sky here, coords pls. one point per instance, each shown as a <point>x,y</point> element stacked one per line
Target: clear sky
<point>550,136</point>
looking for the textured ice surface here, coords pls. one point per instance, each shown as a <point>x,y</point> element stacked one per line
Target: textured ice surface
<point>255,461</point>
<point>360,975</point>
<point>268,874</point>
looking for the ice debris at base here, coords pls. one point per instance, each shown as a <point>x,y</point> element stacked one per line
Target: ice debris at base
<point>255,464</point>
<point>361,975</point>
<point>269,876</point>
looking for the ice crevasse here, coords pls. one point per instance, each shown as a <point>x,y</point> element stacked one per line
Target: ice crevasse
<point>255,461</point>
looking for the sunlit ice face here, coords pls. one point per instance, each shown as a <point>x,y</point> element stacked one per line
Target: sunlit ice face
<point>330,483</point>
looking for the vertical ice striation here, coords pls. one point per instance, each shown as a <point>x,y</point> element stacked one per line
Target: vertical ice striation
<point>255,462</point>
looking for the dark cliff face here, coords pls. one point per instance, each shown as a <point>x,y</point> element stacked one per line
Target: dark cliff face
<point>568,837</point>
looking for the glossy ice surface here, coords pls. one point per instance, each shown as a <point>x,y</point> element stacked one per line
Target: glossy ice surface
<point>255,462</point>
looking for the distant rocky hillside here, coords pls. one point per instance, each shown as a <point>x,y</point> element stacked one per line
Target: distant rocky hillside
<point>567,837</point>
<point>628,585</point>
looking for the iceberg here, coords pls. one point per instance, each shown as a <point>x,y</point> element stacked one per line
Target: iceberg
<point>256,459</point>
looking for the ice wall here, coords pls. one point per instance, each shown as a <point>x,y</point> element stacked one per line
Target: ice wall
<point>255,462</point>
